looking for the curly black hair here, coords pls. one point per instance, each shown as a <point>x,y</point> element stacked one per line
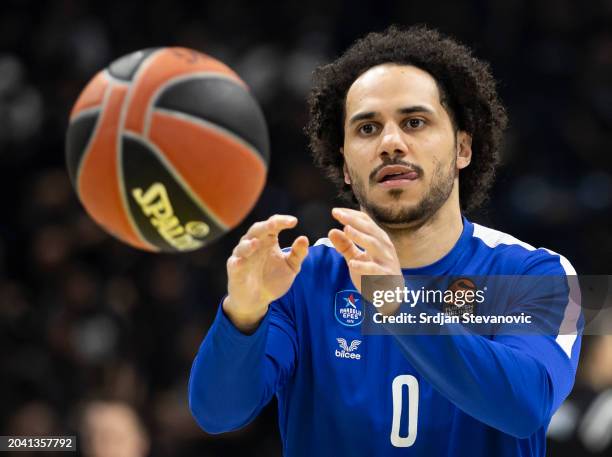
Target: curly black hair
<point>467,91</point>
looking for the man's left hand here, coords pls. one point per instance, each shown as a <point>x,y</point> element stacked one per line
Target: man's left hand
<point>366,247</point>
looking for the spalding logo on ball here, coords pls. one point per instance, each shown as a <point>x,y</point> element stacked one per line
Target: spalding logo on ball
<point>167,149</point>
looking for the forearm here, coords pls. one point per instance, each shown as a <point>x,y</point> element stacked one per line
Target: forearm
<point>501,386</point>
<point>227,386</point>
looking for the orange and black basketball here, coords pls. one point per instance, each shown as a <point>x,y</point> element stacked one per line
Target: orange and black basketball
<point>167,149</point>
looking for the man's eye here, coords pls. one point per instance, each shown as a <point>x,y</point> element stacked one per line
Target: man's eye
<point>367,129</point>
<point>415,123</point>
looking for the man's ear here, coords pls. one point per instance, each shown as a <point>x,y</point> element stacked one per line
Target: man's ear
<point>464,149</point>
<point>347,177</point>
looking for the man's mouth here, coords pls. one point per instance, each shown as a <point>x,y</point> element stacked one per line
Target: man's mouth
<point>396,173</point>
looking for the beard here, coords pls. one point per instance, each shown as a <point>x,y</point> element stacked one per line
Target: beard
<point>399,214</point>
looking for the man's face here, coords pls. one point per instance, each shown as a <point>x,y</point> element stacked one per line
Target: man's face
<point>401,151</point>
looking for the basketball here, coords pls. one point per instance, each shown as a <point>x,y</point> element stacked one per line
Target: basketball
<point>167,149</point>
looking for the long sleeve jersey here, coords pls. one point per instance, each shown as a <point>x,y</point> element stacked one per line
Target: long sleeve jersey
<point>344,393</point>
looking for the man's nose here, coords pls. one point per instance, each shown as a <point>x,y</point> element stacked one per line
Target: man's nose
<point>392,142</point>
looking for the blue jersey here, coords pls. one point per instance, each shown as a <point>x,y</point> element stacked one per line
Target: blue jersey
<point>343,393</point>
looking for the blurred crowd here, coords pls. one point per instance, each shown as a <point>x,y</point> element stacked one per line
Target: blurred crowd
<point>97,339</point>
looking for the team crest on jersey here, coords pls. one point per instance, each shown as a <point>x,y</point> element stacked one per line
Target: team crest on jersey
<point>348,308</point>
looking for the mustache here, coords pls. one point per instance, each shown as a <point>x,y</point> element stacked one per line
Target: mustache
<point>413,166</point>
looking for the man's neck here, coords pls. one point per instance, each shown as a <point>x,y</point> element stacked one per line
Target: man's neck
<point>429,242</point>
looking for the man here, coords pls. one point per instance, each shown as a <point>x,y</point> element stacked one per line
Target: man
<point>409,124</point>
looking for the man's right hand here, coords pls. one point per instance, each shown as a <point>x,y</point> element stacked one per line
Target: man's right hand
<point>259,272</point>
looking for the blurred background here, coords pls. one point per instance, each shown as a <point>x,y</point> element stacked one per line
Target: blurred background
<point>97,339</point>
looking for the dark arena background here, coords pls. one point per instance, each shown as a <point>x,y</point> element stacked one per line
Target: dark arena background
<point>97,338</point>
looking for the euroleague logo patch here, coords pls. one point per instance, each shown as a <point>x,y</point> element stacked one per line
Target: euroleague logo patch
<point>462,296</point>
<point>348,308</point>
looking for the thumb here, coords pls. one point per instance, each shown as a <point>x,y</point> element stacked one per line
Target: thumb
<point>297,254</point>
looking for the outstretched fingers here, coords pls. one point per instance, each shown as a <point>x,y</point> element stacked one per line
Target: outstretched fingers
<point>260,234</point>
<point>246,247</point>
<point>365,233</point>
<point>344,245</point>
<point>363,240</point>
<point>241,253</point>
<point>358,220</point>
<point>365,267</point>
<point>270,227</point>
<point>297,254</point>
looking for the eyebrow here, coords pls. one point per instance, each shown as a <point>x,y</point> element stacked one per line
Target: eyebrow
<point>407,110</point>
